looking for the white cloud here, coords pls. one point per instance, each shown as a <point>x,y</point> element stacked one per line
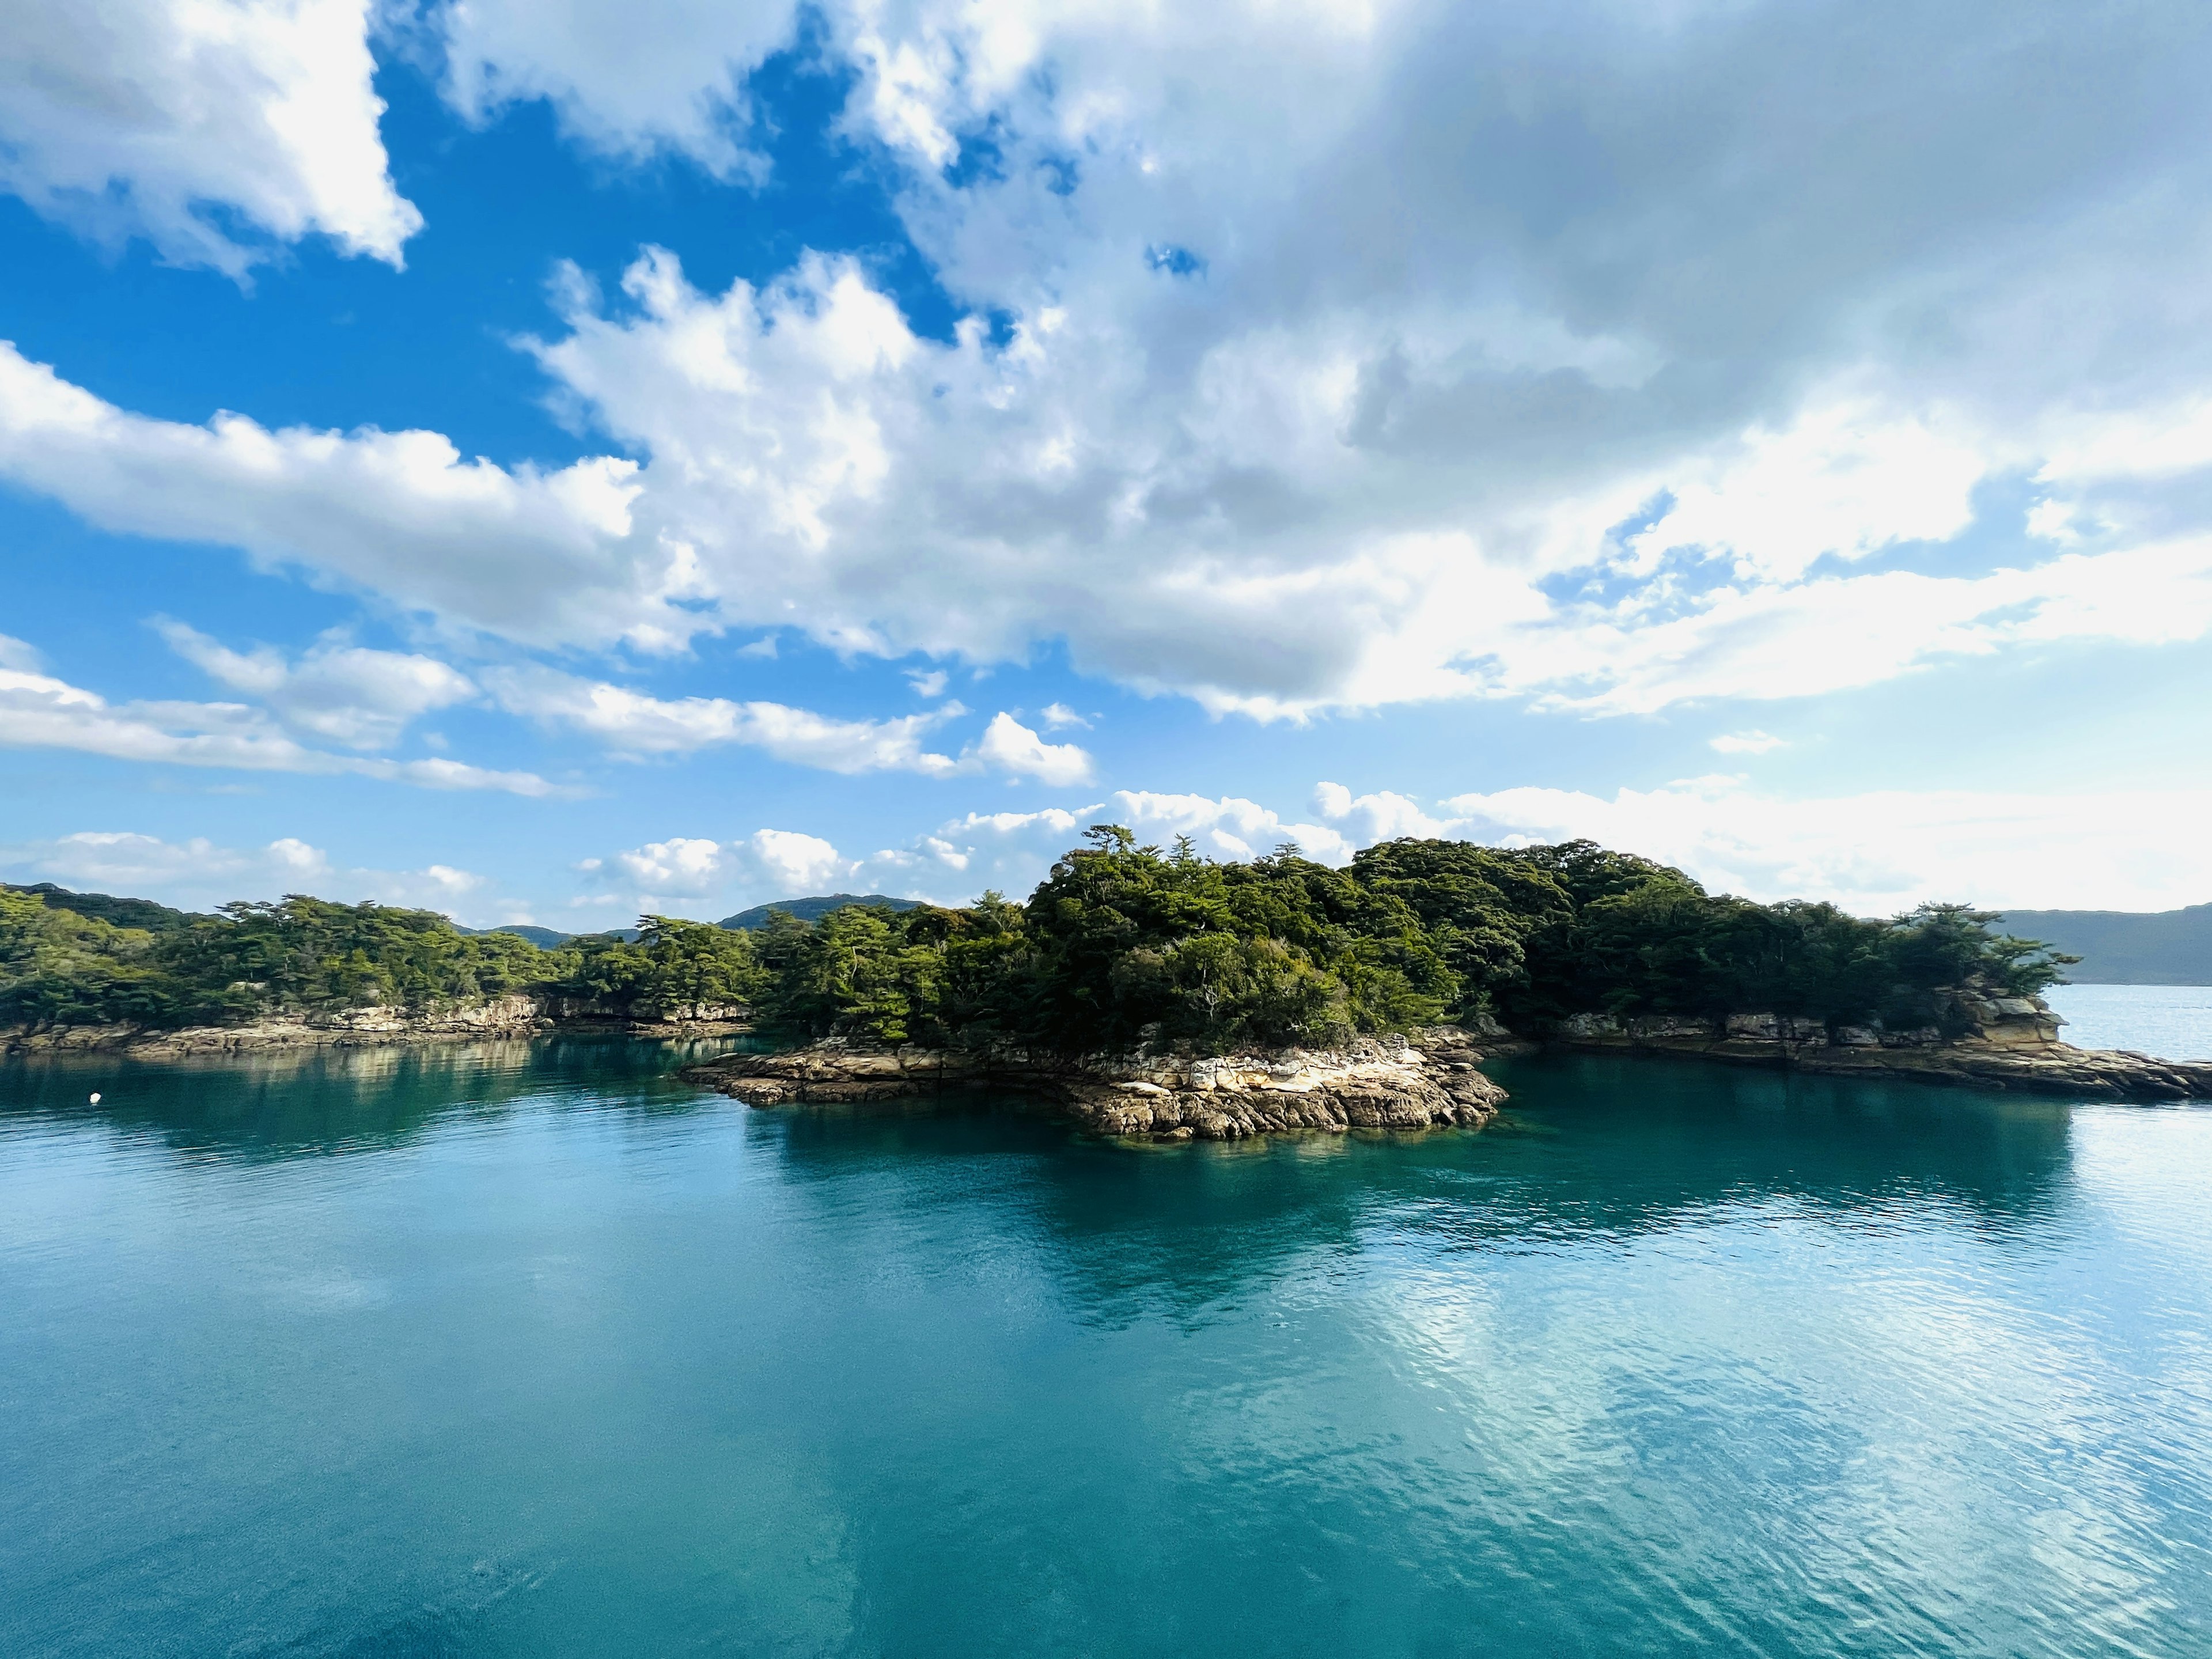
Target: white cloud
<point>1873,852</point>
<point>1013,748</point>
<point>791,863</point>
<point>535,555</point>
<point>359,698</point>
<point>631,722</point>
<point>1884,851</point>
<point>1361,820</point>
<point>1057,716</point>
<point>626,83</point>
<point>144,117</point>
<point>198,874</point>
<point>706,878</point>
<point>1846,479</point>
<point>39,711</point>
<point>1012,850</point>
<point>634,723</point>
<point>1840,632</point>
<point>1748,742</point>
<point>680,865</point>
<point>1402,429</point>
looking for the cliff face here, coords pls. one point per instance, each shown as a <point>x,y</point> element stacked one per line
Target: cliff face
<point>1974,1037</point>
<point>355,1028</point>
<point>1429,1082</point>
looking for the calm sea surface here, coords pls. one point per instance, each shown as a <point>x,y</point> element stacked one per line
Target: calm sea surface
<point>2173,1022</point>
<point>529,1350</point>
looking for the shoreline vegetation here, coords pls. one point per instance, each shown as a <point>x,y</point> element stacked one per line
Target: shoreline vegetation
<point>1129,969</point>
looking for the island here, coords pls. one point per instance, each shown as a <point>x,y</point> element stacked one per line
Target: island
<point>1144,990</point>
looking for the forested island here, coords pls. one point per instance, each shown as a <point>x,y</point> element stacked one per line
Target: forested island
<point>1119,944</point>
<point>1149,990</point>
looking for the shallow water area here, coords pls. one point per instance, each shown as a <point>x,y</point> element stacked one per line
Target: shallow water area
<point>530,1349</point>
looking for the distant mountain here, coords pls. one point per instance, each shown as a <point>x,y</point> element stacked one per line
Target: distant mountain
<point>2125,947</point>
<point>103,907</point>
<point>813,909</point>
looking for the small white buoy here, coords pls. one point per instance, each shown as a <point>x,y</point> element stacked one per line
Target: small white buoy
<point>95,1100</point>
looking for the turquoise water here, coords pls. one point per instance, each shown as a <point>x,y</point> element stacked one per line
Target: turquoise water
<point>2173,1022</point>
<point>530,1351</point>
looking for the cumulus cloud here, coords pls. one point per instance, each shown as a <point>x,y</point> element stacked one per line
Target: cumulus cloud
<point>39,711</point>
<point>679,865</point>
<point>1013,748</point>
<point>627,82</point>
<point>198,873</point>
<point>704,876</point>
<point>152,118</point>
<point>539,556</point>
<point>359,698</point>
<point>793,864</point>
<point>1667,399</point>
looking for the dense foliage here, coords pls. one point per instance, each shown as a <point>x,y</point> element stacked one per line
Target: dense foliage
<point>1121,944</point>
<point>59,967</point>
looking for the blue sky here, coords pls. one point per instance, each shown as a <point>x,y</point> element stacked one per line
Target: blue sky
<point>553,462</point>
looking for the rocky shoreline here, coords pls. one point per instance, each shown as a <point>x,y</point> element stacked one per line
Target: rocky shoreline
<point>1982,1042</point>
<point>497,1017</point>
<point>1426,1081</point>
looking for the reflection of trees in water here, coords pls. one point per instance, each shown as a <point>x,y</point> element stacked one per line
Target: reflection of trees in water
<point>289,1103</point>
<point>1593,1148</point>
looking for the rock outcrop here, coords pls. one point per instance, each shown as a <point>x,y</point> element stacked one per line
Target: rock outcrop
<point>1428,1081</point>
<point>1973,1037</point>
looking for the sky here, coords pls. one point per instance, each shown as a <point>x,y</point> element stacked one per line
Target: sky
<point>550,460</point>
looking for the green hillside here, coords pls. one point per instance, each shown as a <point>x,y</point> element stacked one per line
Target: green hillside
<point>2126,947</point>
<point>102,907</point>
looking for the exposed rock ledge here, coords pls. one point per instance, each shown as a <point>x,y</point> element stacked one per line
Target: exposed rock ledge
<point>360,1027</point>
<point>1428,1082</point>
<point>2004,1042</point>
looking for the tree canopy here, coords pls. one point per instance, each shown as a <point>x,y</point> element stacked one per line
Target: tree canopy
<point>1120,944</point>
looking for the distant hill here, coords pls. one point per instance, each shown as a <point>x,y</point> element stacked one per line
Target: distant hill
<point>161,918</point>
<point>543,938</point>
<point>104,906</point>
<point>549,938</point>
<point>2126,947</point>
<point>813,909</point>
